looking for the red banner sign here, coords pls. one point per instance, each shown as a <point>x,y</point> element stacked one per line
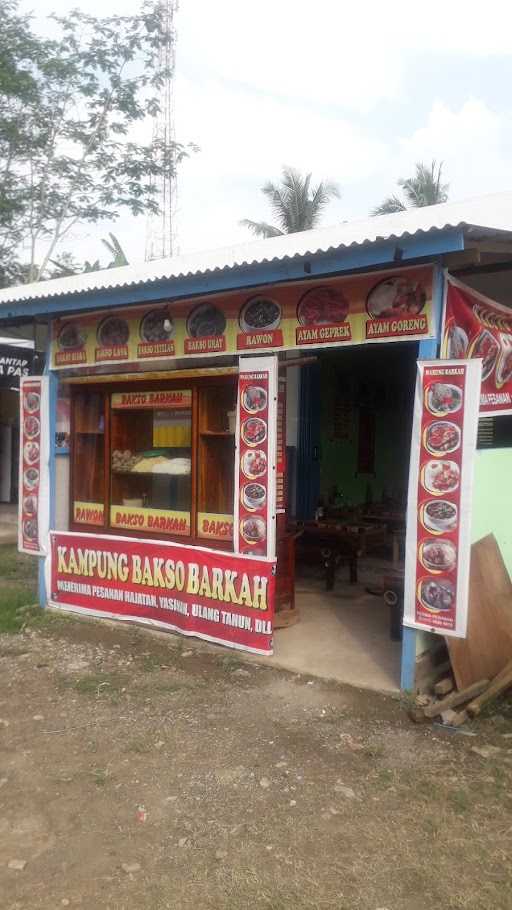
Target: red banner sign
<point>253,391</point>
<point>477,327</point>
<point>220,597</point>
<point>439,504</point>
<point>33,467</point>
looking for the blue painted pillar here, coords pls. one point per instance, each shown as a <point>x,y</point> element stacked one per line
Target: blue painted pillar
<point>427,350</point>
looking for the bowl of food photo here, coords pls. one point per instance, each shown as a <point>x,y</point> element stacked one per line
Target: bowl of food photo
<point>442,437</point>
<point>322,305</point>
<point>437,595</point>
<point>440,477</point>
<point>112,331</point>
<point>260,313</point>
<point>254,399</point>
<point>396,296</point>
<point>254,431</point>
<point>254,463</point>
<point>156,326</point>
<point>253,530</point>
<point>438,555</point>
<point>443,398</point>
<point>254,496</point>
<point>205,320</point>
<point>439,515</point>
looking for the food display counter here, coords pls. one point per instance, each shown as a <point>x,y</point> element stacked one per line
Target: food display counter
<point>155,457</point>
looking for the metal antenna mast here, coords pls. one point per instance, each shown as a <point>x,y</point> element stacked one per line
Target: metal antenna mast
<point>161,228</point>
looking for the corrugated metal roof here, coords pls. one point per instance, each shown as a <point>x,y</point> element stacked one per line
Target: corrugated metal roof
<point>491,214</point>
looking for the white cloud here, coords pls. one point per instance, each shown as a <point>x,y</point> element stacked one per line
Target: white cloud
<point>265,83</point>
<point>474,143</point>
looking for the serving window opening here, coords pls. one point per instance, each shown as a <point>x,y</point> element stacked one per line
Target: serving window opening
<point>155,459</point>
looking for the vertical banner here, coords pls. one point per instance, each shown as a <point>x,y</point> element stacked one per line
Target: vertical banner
<point>478,327</point>
<point>281,446</point>
<point>439,500</point>
<point>33,515</point>
<point>255,483</point>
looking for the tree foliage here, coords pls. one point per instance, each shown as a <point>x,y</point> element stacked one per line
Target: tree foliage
<point>70,110</point>
<point>424,188</point>
<point>296,205</point>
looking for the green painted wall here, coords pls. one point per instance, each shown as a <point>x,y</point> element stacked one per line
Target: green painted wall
<point>384,380</point>
<point>492,499</point>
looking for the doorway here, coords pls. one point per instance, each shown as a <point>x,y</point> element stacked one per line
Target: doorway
<point>353,449</point>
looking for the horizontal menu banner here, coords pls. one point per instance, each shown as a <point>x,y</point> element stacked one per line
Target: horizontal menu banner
<point>356,309</point>
<point>220,597</point>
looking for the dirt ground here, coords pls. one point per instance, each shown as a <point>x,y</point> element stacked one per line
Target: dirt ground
<point>150,771</point>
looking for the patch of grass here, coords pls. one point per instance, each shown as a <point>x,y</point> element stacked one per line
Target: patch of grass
<point>100,776</point>
<point>99,685</point>
<point>150,663</point>
<point>16,566</point>
<point>459,800</point>
<point>14,602</point>
<point>140,746</point>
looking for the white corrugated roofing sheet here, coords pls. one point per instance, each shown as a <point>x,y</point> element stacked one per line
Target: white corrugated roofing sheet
<point>490,213</point>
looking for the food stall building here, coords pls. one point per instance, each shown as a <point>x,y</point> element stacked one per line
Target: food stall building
<point>220,444</point>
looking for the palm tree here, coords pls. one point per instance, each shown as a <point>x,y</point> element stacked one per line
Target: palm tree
<point>425,188</point>
<point>296,205</point>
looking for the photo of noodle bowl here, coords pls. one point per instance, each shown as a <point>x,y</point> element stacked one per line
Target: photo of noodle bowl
<point>438,555</point>
<point>442,436</point>
<point>440,476</point>
<point>254,399</point>
<point>32,402</point>
<point>260,313</point>
<point>30,528</point>
<point>30,478</point>
<point>443,398</point>
<point>71,336</point>
<point>437,595</point>
<point>254,431</point>
<point>254,463</point>
<point>156,326</point>
<point>254,496</point>
<point>31,452</point>
<point>253,530</point>
<point>439,515</point>
<point>30,505</point>
<point>31,427</point>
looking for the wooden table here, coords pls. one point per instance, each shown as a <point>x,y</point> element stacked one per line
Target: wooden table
<point>321,542</point>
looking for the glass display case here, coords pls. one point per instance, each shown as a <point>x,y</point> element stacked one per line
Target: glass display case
<point>155,460</point>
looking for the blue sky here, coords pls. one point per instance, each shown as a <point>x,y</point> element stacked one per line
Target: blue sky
<point>354,92</point>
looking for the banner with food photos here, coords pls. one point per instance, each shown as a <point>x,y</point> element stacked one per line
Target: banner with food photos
<point>438,538</point>
<point>477,327</point>
<point>391,305</point>
<point>255,493</point>
<point>33,510</point>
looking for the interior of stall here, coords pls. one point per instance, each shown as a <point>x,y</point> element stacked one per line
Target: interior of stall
<point>348,445</point>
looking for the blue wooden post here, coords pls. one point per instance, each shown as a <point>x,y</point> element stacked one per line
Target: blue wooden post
<point>427,350</point>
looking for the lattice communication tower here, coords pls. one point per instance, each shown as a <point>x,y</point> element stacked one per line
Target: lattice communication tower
<point>161,228</point>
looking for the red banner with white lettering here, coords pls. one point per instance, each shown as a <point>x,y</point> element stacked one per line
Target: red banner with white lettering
<point>216,596</point>
<point>478,327</point>
<point>440,492</point>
